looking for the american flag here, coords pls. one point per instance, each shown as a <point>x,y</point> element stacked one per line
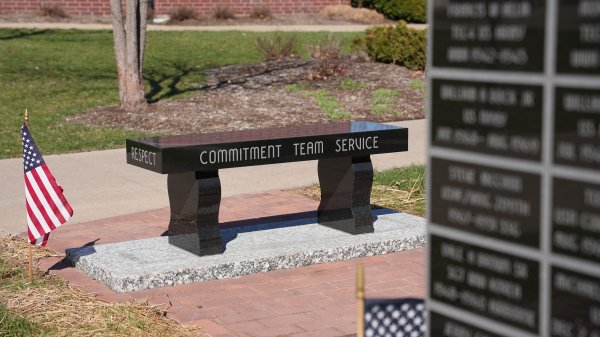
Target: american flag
<point>47,207</point>
<point>401,317</point>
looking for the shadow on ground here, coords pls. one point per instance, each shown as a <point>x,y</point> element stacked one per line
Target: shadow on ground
<point>167,84</point>
<point>20,34</point>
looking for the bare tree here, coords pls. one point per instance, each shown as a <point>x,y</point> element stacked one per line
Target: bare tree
<point>130,38</point>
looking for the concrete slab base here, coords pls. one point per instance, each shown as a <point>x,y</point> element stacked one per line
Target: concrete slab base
<point>151,263</point>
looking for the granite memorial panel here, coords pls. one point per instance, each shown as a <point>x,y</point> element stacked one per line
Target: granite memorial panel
<point>492,284</point>
<point>578,46</point>
<point>577,127</point>
<point>444,326</point>
<point>534,149</point>
<point>489,34</point>
<point>575,304</point>
<point>503,119</point>
<point>486,200</point>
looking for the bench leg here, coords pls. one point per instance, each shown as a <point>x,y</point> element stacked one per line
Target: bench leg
<point>195,198</point>
<point>346,194</point>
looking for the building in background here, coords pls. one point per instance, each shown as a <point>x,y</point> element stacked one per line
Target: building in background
<point>164,7</point>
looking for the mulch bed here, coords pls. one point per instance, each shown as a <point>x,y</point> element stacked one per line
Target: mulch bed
<point>259,96</point>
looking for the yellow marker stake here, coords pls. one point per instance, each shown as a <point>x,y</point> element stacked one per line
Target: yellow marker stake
<point>360,300</point>
<point>30,249</point>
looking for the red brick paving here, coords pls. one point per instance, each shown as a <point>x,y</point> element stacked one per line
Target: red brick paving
<point>316,300</point>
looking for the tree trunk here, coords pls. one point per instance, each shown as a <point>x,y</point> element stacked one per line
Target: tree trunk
<point>129,40</point>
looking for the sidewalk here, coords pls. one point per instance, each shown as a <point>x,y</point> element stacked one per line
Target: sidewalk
<point>101,184</point>
<point>247,28</point>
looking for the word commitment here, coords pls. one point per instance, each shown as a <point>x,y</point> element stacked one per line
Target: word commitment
<point>240,154</point>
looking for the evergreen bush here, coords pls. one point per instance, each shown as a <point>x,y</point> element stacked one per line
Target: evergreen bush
<point>408,10</point>
<point>397,44</point>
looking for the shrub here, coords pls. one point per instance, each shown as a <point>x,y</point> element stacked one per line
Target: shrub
<point>408,10</point>
<point>150,14</point>
<point>329,53</point>
<point>183,13</point>
<point>352,14</point>
<point>224,13</point>
<point>327,49</point>
<point>361,3</point>
<point>277,45</point>
<point>53,11</point>
<point>261,12</point>
<point>397,44</point>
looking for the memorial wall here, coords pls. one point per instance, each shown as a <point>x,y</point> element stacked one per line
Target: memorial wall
<point>514,168</point>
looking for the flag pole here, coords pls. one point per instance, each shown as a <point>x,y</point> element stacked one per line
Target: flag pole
<point>360,300</point>
<point>30,270</point>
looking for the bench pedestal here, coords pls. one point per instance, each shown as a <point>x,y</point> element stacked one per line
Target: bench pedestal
<point>195,199</point>
<point>346,194</point>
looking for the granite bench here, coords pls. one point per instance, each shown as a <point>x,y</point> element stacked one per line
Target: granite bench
<point>192,163</point>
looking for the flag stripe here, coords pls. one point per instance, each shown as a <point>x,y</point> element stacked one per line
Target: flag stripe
<point>37,215</point>
<point>32,215</point>
<point>55,192</point>
<point>54,208</point>
<point>37,204</point>
<point>32,232</point>
<point>42,240</point>
<point>41,202</point>
<point>58,190</point>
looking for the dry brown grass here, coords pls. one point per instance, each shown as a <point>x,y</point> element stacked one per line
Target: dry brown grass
<point>53,11</point>
<point>224,13</point>
<point>182,13</point>
<point>261,13</point>
<point>402,191</point>
<point>67,311</point>
<point>277,46</point>
<point>346,12</point>
<point>327,49</point>
<point>382,196</point>
<point>411,201</point>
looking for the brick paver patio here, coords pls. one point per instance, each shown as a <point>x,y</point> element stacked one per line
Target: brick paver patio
<point>316,300</point>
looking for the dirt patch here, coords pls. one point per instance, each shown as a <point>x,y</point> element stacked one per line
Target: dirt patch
<point>273,94</point>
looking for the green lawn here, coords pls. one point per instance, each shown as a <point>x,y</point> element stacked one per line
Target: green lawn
<point>14,325</point>
<point>57,73</point>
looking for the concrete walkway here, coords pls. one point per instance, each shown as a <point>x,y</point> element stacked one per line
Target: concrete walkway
<point>247,28</point>
<point>100,184</point>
